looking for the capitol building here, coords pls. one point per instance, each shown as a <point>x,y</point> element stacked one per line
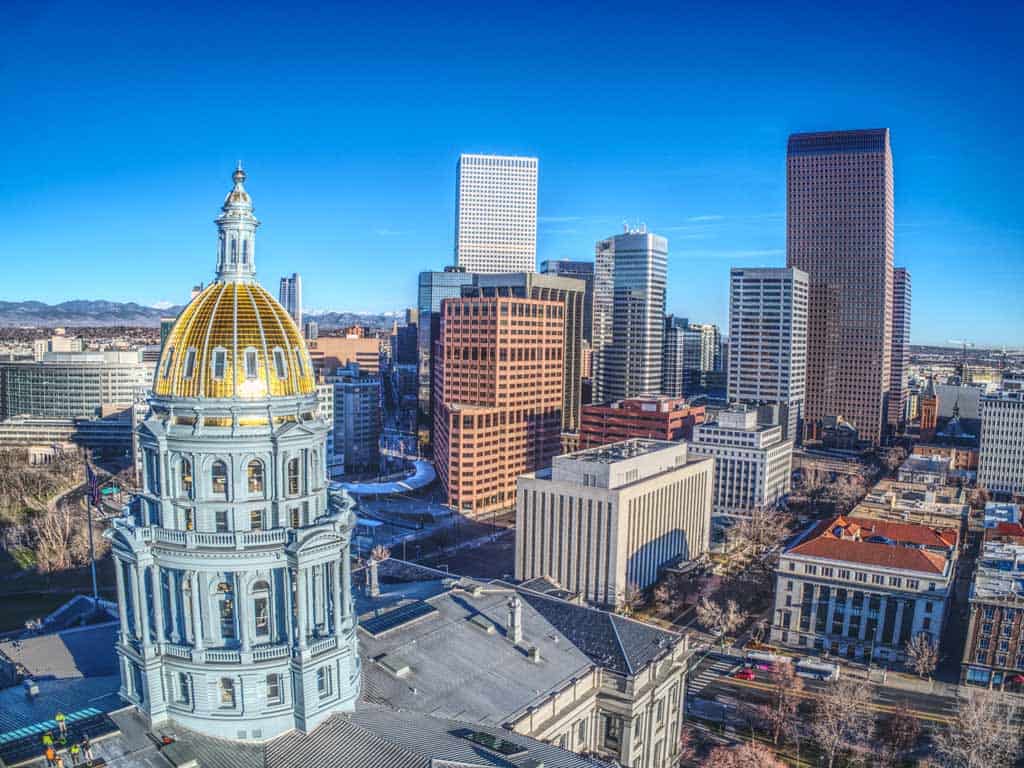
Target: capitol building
<point>233,572</point>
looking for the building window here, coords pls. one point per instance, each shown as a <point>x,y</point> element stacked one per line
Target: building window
<point>612,731</point>
<point>186,477</point>
<point>861,577</point>
<point>877,579</point>
<point>261,608</point>
<point>227,693</point>
<point>190,363</point>
<point>298,362</point>
<point>219,363</point>
<point>252,367</point>
<point>324,682</point>
<point>274,689</point>
<point>256,520</point>
<point>168,362</point>
<point>219,478</point>
<point>184,695</point>
<point>227,615</point>
<point>581,733</point>
<point>296,520</point>
<point>293,477</point>
<point>811,569</point>
<point>255,475</point>
<point>280,365</point>
<point>221,520</point>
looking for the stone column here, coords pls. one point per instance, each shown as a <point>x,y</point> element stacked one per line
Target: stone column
<point>139,598</point>
<point>321,588</point>
<point>197,614</point>
<point>301,597</point>
<point>346,583</point>
<point>336,595</point>
<point>158,602</point>
<point>242,612</point>
<point>173,585</point>
<point>895,639</point>
<point>289,610</point>
<point>122,600</point>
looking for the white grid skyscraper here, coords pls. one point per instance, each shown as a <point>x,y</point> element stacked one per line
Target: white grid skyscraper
<point>496,214</point>
<point>290,296</point>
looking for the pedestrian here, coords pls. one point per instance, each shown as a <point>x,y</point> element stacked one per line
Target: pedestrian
<point>47,739</point>
<point>51,756</point>
<point>62,723</point>
<point>87,748</point>
<point>76,752</point>
<point>59,761</point>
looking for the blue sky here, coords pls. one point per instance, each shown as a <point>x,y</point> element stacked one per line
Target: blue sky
<point>122,125</point>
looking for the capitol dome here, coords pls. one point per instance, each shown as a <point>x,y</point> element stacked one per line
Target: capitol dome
<point>234,340</point>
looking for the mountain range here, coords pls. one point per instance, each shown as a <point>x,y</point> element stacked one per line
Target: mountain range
<point>83,312</point>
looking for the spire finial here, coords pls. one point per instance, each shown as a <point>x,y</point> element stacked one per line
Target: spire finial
<point>239,175</point>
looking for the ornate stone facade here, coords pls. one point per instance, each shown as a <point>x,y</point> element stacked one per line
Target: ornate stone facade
<point>232,563</point>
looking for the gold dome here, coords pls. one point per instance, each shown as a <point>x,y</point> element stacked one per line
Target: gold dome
<point>234,340</point>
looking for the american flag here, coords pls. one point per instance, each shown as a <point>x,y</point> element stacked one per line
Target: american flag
<point>94,485</point>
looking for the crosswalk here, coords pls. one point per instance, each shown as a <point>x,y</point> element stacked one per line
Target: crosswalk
<point>710,670</point>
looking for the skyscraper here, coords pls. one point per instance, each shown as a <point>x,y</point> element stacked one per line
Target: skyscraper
<point>434,287</point>
<point>497,396</point>
<point>290,296</point>
<point>529,285</point>
<point>579,270</point>
<point>896,407</point>
<point>768,341</point>
<point>839,230</point>
<point>496,216</point>
<point>629,308</point>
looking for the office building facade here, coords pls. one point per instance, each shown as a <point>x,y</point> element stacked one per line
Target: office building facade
<point>434,287</point>
<point>1001,453</point>
<point>546,287</point>
<point>839,230</point>
<point>578,270</point>
<point>629,310</point>
<point>497,396</point>
<point>357,418</point>
<point>656,417</point>
<point>861,588</point>
<point>496,214</point>
<point>602,519</point>
<point>753,463</point>
<point>896,406</point>
<point>290,296</point>
<point>768,342</point>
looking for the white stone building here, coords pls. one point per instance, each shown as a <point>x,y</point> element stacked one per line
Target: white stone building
<point>859,586</point>
<point>1001,455</point>
<point>753,463</point>
<point>496,216</point>
<point>604,518</point>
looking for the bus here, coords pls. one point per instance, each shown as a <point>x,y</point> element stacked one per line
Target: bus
<point>765,661</point>
<point>817,670</point>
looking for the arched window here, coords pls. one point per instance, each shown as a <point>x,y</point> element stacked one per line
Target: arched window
<point>255,474</point>
<point>234,250</point>
<point>261,608</point>
<point>227,693</point>
<point>186,477</point>
<point>219,476</point>
<point>167,362</point>
<point>219,363</point>
<point>280,364</point>
<point>293,477</point>
<point>252,368</point>
<point>245,251</point>
<point>190,363</point>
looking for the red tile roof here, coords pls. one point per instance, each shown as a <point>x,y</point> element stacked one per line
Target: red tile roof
<point>846,539</point>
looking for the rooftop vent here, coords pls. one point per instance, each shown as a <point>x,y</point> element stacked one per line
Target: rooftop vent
<point>483,623</point>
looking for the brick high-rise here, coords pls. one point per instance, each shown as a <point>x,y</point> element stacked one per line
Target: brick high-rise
<point>839,230</point>
<point>497,396</point>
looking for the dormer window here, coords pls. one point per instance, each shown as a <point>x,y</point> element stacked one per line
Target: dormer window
<point>280,366</point>
<point>252,368</point>
<point>298,363</point>
<point>219,363</point>
<point>168,361</point>
<point>190,363</point>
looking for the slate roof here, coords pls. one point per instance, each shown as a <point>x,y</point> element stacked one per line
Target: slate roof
<point>613,642</point>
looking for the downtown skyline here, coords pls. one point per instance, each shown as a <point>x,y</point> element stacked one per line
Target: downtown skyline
<point>345,185</point>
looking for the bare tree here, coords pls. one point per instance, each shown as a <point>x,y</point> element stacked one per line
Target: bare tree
<point>62,537</point>
<point>720,619</point>
<point>380,552</point>
<point>840,718</point>
<point>686,753</point>
<point>894,457</point>
<point>780,714</point>
<point>631,599</point>
<point>978,736</point>
<point>748,755</point>
<point>922,654</point>
<point>897,734</point>
<point>759,532</point>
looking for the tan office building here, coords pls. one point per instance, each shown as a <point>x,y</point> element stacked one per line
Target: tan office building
<point>603,518</point>
<point>839,230</point>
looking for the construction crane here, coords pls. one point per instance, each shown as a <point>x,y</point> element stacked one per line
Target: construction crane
<point>963,345</point>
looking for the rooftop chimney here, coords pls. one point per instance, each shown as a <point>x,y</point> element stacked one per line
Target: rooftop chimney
<point>515,619</point>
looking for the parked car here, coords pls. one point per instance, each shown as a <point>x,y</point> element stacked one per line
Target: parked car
<point>746,674</point>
